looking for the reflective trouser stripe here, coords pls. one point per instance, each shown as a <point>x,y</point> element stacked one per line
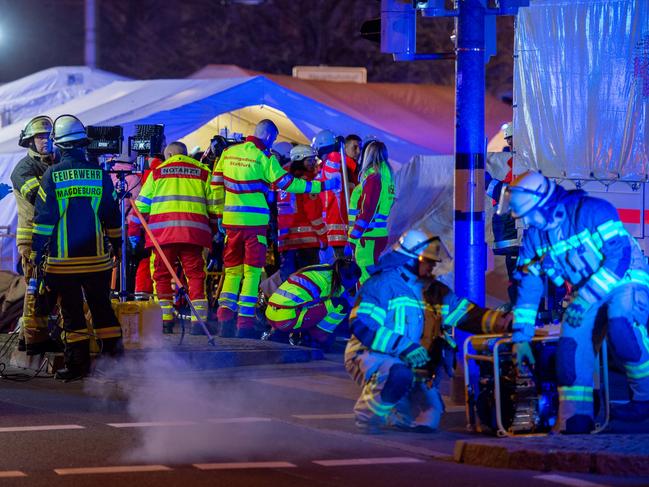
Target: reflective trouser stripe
<point>231,285</point>
<point>108,332</point>
<point>200,305</point>
<point>71,336</point>
<point>167,309</point>
<point>249,291</point>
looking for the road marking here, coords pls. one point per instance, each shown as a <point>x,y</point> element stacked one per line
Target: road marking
<point>250,419</point>
<point>151,424</point>
<point>366,461</point>
<point>561,479</point>
<point>8,474</point>
<point>44,427</point>
<point>116,469</point>
<point>325,416</point>
<point>320,383</point>
<point>243,465</point>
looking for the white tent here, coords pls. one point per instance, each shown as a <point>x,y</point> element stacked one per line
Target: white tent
<point>184,107</point>
<point>39,92</point>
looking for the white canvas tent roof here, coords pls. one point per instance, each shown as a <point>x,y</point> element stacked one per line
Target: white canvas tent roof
<point>39,92</point>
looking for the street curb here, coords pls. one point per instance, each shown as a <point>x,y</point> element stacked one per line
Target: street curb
<point>491,454</point>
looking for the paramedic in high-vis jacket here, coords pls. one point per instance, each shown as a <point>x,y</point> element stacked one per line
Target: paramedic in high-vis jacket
<point>574,238</point>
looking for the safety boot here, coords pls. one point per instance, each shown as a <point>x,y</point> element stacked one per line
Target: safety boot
<point>369,427</point>
<point>631,412</point>
<point>77,362</point>
<point>168,327</point>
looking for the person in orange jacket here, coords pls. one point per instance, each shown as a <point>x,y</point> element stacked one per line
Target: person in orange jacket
<point>301,229</point>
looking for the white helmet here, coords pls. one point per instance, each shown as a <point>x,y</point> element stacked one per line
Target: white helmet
<point>527,192</point>
<point>324,142</point>
<point>283,149</point>
<point>508,129</point>
<point>68,132</point>
<point>417,243</point>
<point>301,152</point>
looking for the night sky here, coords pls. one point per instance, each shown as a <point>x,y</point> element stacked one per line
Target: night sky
<point>171,39</point>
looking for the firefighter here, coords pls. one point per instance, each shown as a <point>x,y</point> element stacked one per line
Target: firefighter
<point>387,324</point>
<point>335,210</point>
<point>370,204</point>
<point>75,210</point>
<point>301,230</point>
<point>314,300</point>
<point>174,200</point>
<point>240,181</point>
<point>26,178</point>
<point>574,238</point>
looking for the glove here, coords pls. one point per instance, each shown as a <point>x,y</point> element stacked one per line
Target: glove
<point>340,301</point>
<point>574,314</point>
<point>5,189</point>
<point>134,240</point>
<point>522,353</point>
<point>416,356</point>
<point>333,184</point>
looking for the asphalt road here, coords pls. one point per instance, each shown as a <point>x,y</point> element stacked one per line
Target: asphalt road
<point>284,425</point>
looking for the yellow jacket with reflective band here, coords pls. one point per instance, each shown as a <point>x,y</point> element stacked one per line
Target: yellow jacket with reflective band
<point>241,180</point>
<point>26,179</point>
<point>303,290</point>
<point>76,208</point>
<point>174,199</point>
<point>370,205</point>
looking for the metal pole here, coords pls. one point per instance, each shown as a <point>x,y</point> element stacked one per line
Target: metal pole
<point>470,247</point>
<point>345,181</point>
<point>90,53</point>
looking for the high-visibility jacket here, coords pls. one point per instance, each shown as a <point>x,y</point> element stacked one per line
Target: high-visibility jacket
<point>241,180</point>
<point>300,223</point>
<point>302,292</point>
<point>174,201</point>
<point>75,208</point>
<point>371,203</point>
<point>335,208</point>
<point>26,179</point>
<point>506,239</point>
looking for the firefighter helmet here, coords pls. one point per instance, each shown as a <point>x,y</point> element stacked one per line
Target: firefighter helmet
<point>301,152</point>
<point>529,191</point>
<point>417,243</point>
<point>37,125</point>
<point>68,132</point>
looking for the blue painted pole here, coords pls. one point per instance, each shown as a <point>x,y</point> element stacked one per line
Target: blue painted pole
<point>470,247</point>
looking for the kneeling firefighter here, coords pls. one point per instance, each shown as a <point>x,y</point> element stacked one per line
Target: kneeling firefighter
<point>314,299</point>
<point>75,210</point>
<point>574,238</point>
<point>384,354</point>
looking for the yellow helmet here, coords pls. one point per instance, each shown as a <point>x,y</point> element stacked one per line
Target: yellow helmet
<point>37,125</point>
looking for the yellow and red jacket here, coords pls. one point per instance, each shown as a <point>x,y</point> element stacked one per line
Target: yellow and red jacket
<point>370,204</point>
<point>335,208</point>
<point>174,202</point>
<point>300,223</point>
<point>241,180</point>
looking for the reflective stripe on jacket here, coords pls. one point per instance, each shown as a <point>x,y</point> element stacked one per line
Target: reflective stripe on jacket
<point>241,180</point>
<point>26,179</point>
<point>300,223</point>
<point>175,198</point>
<point>75,208</point>
<point>371,204</point>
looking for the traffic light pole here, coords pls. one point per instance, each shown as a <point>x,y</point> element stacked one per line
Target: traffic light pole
<point>470,247</point>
